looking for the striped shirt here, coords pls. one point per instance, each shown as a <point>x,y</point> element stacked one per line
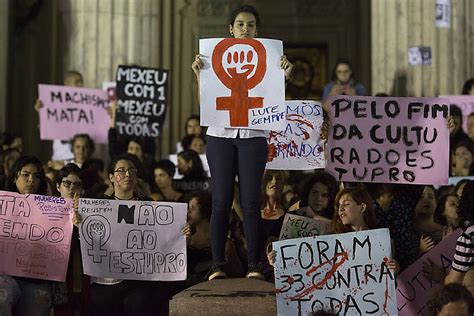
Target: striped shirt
<point>464,256</point>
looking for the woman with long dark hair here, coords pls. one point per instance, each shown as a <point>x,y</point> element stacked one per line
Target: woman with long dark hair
<point>27,296</point>
<point>242,152</point>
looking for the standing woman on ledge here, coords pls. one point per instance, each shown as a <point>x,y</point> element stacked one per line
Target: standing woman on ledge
<point>241,152</point>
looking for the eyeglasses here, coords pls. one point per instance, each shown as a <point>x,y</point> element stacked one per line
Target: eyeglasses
<point>68,184</point>
<point>123,171</point>
<point>343,71</point>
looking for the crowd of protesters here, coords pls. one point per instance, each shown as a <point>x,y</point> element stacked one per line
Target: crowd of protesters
<point>235,215</point>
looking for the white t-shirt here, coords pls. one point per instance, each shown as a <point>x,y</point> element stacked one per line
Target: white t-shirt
<point>225,132</point>
<point>62,151</point>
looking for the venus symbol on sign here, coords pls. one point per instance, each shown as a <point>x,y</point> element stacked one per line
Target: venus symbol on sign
<point>96,232</point>
<point>240,64</point>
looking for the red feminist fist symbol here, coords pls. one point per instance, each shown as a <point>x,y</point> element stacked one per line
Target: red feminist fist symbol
<point>245,66</point>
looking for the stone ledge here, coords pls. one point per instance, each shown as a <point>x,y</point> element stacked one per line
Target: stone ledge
<point>226,297</point>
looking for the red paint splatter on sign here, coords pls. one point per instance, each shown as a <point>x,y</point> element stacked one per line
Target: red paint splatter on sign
<point>386,294</point>
<point>344,256</point>
<point>271,152</point>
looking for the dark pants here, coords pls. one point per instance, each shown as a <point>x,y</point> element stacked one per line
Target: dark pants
<point>246,158</point>
<point>125,298</point>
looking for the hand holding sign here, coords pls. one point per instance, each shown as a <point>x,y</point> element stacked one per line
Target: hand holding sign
<point>76,217</point>
<point>287,66</point>
<point>197,65</point>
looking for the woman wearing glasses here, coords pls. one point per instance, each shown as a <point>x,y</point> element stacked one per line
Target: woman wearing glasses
<point>109,296</point>
<point>126,297</point>
<point>69,184</point>
<point>28,296</point>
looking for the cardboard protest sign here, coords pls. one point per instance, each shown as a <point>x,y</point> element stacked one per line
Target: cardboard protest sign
<point>134,240</point>
<point>295,226</point>
<point>389,140</point>
<point>242,84</point>
<point>298,146</point>
<point>141,100</point>
<point>413,287</point>
<point>345,273</point>
<point>466,104</point>
<point>68,111</point>
<point>35,235</point>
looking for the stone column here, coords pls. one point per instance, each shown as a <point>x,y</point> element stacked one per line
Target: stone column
<point>4,38</point>
<point>399,24</point>
<point>150,33</point>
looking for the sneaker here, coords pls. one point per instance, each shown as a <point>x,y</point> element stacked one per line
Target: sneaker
<point>216,272</point>
<point>254,271</point>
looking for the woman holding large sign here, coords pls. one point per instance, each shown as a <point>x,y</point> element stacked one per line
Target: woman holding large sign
<point>242,152</point>
<point>28,296</point>
<point>109,296</point>
<point>356,213</point>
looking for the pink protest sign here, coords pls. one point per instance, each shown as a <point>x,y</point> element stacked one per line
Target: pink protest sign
<point>466,104</point>
<point>389,140</point>
<point>413,287</point>
<point>35,235</point>
<point>68,111</point>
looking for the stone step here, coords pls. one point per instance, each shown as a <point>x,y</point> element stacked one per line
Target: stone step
<point>240,296</point>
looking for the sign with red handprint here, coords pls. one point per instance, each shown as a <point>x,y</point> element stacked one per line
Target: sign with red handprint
<point>298,146</point>
<point>242,84</point>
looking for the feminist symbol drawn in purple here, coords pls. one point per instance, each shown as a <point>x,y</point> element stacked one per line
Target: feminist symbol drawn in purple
<point>96,232</point>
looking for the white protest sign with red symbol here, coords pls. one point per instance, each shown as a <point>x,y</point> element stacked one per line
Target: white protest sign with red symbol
<point>242,84</point>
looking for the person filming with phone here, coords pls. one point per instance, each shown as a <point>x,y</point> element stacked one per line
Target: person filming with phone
<point>343,82</point>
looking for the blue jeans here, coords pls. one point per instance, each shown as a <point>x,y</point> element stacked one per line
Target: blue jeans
<point>246,158</point>
<point>29,298</point>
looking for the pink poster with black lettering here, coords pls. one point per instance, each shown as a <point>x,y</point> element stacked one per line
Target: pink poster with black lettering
<point>35,235</point>
<point>388,140</point>
<point>414,287</point>
<point>68,111</point>
<point>242,84</point>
